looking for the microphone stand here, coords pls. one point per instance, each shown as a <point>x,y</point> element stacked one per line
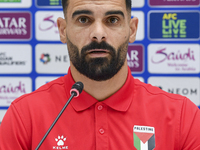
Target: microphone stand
<point>67,103</point>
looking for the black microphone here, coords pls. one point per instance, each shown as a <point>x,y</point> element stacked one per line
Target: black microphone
<point>75,91</point>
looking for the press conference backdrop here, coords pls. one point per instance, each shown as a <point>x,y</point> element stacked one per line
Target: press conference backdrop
<point>166,52</point>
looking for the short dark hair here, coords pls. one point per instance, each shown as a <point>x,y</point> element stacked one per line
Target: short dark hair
<point>65,4</point>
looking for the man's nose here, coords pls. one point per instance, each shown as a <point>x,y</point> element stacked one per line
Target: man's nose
<point>98,32</point>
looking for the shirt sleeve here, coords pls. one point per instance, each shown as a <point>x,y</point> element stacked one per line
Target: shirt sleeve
<point>13,134</point>
<point>190,126</point>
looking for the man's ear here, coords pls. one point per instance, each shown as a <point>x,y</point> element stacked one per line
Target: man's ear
<point>61,23</point>
<point>133,29</point>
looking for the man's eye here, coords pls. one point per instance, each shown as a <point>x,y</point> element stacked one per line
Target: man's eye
<point>112,20</point>
<point>83,20</point>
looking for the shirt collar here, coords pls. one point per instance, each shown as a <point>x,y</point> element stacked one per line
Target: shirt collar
<point>119,101</point>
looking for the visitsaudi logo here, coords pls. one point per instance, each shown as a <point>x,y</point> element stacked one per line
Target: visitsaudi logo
<point>144,137</point>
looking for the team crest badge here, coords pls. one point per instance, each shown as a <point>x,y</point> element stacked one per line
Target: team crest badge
<point>144,137</point>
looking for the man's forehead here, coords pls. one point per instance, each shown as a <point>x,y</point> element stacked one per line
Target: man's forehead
<point>98,0</point>
<point>95,6</point>
<point>85,3</point>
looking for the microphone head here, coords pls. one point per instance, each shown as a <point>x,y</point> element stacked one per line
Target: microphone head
<point>77,88</point>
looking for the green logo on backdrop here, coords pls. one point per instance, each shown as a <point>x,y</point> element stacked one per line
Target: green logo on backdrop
<point>173,27</point>
<point>54,2</point>
<point>11,1</point>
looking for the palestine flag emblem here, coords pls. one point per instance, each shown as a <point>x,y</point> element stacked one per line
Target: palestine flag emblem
<point>144,137</point>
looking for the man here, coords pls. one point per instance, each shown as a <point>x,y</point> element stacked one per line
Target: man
<point>115,111</point>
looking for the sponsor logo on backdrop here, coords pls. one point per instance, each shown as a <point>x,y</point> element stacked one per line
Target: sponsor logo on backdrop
<point>177,3</point>
<point>186,86</point>
<point>46,25</point>
<point>12,60</point>
<point>48,3</point>
<point>8,60</point>
<point>55,60</point>
<point>174,58</point>
<point>137,3</point>
<point>45,58</point>
<point>43,80</point>
<point>15,26</point>
<point>13,87</point>
<point>15,3</point>
<point>135,58</point>
<point>140,29</point>
<point>174,25</point>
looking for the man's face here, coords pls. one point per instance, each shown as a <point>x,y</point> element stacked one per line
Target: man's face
<point>97,36</point>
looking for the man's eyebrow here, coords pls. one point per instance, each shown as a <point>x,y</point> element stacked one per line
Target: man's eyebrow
<point>79,12</point>
<point>115,12</point>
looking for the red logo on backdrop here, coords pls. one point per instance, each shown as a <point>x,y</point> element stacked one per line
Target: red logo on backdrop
<point>20,88</point>
<point>15,26</point>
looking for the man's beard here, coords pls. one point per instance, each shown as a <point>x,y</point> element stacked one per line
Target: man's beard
<point>101,68</point>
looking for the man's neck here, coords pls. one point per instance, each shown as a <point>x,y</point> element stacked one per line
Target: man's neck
<point>101,90</point>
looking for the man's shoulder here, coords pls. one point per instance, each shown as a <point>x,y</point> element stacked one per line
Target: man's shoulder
<point>156,91</point>
<point>159,99</point>
<point>52,84</point>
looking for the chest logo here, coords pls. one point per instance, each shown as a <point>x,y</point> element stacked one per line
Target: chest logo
<point>144,137</point>
<point>60,143</point>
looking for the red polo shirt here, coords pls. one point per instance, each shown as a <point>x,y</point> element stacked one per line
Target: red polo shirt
<point>138,116</point>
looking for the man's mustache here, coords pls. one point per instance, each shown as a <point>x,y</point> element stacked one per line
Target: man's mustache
<point>95,45</point>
